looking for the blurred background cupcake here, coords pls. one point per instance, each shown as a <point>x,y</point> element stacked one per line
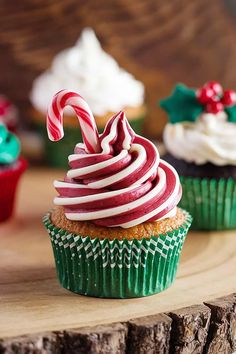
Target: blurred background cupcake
<point>201,144</point>
<point>86,68</point>
<point>11,168</point>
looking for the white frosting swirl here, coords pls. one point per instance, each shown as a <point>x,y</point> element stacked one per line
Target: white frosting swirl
<point>210,139</point>
<point>91,71</point>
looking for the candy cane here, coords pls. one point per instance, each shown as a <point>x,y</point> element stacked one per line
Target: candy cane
<point>85,116</point>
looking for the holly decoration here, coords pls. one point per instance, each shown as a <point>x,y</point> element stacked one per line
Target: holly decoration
<point>187,104</point>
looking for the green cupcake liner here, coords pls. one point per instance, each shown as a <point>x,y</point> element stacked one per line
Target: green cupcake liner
<point>211,202</point>
<point>116,269</point>
<point>56,154</point>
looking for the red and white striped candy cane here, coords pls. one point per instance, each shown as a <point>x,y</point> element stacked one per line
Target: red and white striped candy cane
<point>86,119</point>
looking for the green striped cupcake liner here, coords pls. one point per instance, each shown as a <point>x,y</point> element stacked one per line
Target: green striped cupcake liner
<point>56,155</point>
<point>211,202</point>
<point>116,269</point>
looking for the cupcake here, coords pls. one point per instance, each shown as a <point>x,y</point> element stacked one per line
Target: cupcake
<point>11,168</point>
<point>116,230</point>
<point>88,69</point>
<point>200,143</point>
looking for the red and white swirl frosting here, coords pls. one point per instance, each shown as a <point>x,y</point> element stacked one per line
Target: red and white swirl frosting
<point>124,184</point>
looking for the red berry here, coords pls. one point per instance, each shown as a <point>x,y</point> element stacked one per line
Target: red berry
<point>204,95</point>
<point>214,107</point>
<point>214,99</point>
<point>215,86</point>
<point>229,98</point>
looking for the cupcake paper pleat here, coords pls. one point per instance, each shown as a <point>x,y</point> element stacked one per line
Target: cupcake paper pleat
<point>211,202</point>
<point>117,269</point>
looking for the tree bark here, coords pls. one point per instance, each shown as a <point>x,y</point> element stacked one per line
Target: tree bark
<point>222,332</point>
<point>46,343</point>
<point>189,329</point>
<point>107,339</point>
<point>207,329</point>
<point>149,334</point>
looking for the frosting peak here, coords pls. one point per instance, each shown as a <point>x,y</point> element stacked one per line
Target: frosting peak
<point>201,126</point>
<point>210,139</point>
<point>87,68</point>
<point>123,183</point>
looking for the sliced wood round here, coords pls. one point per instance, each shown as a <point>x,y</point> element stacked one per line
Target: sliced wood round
<point>35,311</point>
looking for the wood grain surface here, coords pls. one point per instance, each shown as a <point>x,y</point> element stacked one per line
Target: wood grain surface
<point>32,301</point>
<point>160,42</point>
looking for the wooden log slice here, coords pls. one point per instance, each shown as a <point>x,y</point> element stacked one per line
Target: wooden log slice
<point>195,315</point>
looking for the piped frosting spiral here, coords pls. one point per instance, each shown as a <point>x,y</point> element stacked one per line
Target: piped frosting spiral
<point>124,184</point>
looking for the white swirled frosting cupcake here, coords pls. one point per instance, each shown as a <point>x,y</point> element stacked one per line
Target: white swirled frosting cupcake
<point>116,215</point>
<point>87,68</point>
<point>200,140</point>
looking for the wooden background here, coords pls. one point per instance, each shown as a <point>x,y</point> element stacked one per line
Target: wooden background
<point>160,42</point>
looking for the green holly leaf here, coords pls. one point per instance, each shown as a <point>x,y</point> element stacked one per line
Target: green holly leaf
<point>182,105</point>
<point>231,111</point>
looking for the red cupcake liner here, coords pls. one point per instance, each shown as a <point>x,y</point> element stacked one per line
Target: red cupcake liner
<point>9,178</point>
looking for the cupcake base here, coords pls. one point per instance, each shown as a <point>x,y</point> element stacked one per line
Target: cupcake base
<point>211,202</point>
<point>209,193</point>
<point>116,268</point>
